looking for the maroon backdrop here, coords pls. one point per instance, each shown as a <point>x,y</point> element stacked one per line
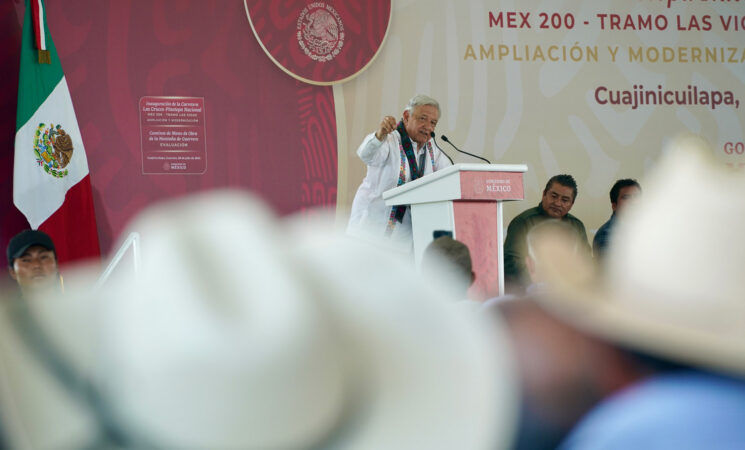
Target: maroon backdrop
<point>265,131</point>
<point>11,220</point>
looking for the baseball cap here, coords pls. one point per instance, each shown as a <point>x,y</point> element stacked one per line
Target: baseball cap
<point>22,241</point>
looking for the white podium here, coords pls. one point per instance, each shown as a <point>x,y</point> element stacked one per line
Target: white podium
<point>465,199</point>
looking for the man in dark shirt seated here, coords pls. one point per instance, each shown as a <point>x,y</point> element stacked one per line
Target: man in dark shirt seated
<point>558,198</point>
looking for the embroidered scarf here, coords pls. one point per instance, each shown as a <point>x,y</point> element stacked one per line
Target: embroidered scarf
<point>416,171</point>
<point>407,154</point>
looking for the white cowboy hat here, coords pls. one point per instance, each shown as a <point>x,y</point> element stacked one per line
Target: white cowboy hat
<point>241,332</point>
<point>673,284</point>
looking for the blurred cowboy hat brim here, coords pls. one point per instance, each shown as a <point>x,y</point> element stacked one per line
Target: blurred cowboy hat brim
<point>240,331</point>
<point>672,285</point>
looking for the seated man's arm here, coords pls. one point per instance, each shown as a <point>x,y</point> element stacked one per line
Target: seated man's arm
<point>599,242</point>
<point>515,250</point>
<point>583,237</point>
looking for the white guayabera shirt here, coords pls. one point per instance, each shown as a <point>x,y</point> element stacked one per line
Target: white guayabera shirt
<point>370,214</point>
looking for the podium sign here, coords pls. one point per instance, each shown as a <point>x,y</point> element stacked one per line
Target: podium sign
<point>491,185</point>
<point>465,199</point>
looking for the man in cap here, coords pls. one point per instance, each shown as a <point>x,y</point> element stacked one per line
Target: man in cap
<point>398,152</point>
<point>32,261</point>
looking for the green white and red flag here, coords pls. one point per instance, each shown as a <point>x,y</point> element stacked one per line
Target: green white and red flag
<point>51,183</point>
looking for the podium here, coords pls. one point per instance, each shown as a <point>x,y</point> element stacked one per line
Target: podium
<point>465,199</point>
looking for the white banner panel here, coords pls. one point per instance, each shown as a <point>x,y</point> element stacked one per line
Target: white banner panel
<point>592,88</point>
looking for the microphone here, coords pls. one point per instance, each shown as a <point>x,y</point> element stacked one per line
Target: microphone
<point>432,133</point>
<point>445,138</point>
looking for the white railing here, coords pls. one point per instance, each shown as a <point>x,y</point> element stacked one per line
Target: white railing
<point>133,240</point>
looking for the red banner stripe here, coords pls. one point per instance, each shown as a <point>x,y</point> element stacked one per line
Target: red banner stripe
<point>37,8</point>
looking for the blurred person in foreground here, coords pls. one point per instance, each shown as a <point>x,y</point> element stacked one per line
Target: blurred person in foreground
<point>563,372</point>
<point>558,198</point>
<point>396,153</point>
<point>654,347</point>
<point>541,241</point>
<point>558,380</point>
<point>32,262</point>
<point>623,193</point>
<point>450,259</point>
<point>287,338</point>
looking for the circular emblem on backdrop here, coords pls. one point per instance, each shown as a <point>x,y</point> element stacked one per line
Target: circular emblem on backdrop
<point>320,42</point>
<point>53,149</point>
<point>320,32</point>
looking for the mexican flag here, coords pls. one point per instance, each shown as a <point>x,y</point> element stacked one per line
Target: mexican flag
<point>51,184</point>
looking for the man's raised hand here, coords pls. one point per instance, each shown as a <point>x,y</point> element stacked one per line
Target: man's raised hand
<point>387,125</point>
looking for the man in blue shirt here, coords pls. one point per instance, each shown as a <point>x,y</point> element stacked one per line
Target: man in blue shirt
<point>622,193</point>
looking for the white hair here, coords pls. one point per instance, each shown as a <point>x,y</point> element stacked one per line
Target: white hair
<point>422,100</point>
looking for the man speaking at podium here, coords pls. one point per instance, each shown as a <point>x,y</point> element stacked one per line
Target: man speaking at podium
<point>396,154</point>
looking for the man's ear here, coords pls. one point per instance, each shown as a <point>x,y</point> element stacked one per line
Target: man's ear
<point>406,115</point>
<point>12,273</point>
<point>614,206</point>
